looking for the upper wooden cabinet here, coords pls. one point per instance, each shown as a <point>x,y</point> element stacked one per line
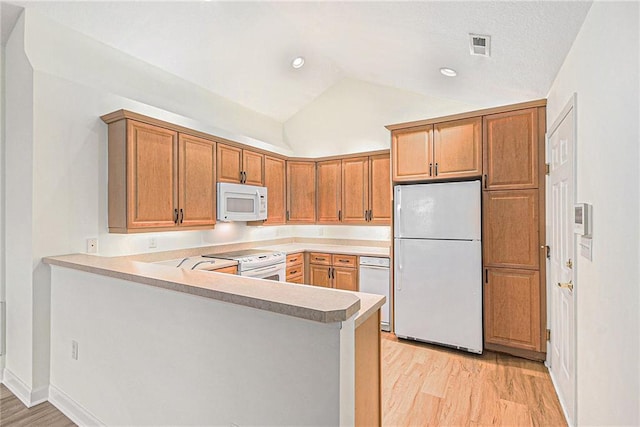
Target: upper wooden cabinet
<point>329,182</point>
<point>457,148</point>
<point>196,181</point>
<point>275,181</point>
<point>240,166</point>
<point>355,190</point>
<point>159,180</point>
<point>445,150</point>
<point>301,192</point>
<point>511,229</point>
<point>511,150</point>
<point>366,190</point>
<point>412,152</point>
<point>380,189</point>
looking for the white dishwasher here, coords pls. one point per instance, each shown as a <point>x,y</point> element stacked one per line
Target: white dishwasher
<point>374,279</point>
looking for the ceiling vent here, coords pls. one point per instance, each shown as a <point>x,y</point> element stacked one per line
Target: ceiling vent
<point>480,45</point>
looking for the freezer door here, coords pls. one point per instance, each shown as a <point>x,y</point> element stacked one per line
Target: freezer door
<point>438,292</point>
<point>448,210</point>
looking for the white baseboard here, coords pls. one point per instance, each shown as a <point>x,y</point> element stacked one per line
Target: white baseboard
<point>22,391</point>
<point>569,420</point>
<point>72,409</point>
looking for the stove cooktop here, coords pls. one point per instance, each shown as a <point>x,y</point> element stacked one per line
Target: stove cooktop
<point>240,254</point>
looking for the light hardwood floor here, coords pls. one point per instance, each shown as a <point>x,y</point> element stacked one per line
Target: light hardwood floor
<point>422,385</point>
<point>427,385</point>
<point>14,413</point>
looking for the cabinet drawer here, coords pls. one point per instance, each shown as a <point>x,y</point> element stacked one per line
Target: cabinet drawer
<point>296,279</point>
<point>319,258</point>
<point>294,270</point>
<point>229,270</point>
<point>294,259</point>
<point>345,261</point>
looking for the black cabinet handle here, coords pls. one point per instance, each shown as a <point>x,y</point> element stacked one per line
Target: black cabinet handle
<point>181,215</point>
<point>370,215</point>
<point>436,169</point>
<point>430,168</point>
<point>333,273</point>
<point>339,215</point>
<point>287,215</point>
<point>329,272</point>
<point>175,216</point>
<point>485,180</point>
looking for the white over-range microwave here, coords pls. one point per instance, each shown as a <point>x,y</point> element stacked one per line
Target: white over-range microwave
<point>241,202</point>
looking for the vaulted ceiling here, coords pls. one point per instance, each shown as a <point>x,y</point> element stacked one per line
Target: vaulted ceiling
<point>243,50</point>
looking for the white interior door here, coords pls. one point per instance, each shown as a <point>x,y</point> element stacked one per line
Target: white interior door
<point>562,293</point>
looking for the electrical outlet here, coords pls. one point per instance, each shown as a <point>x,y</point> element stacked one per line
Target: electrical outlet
<point>74,350</point>
<point>153,242</point>
<point>92,246</point>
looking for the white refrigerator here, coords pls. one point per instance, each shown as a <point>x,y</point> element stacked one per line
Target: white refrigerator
<point>438,264</point>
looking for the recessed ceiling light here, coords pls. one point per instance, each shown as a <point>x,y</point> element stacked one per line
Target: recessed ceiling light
<point>297,62</point>
<point>449,72</point>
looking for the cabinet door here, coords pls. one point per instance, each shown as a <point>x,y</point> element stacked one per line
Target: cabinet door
<point>253,167</point>
<point>329,179</point>
<point>355,190</point>
<point>196,183</point>
<point>510,229</point>
<point>412,154</point>
<point>301,192</point>
<point>512,308</point>
<point>274,180</point>
<point>229,162</point>
<point>457,148</point>
<point>152,169</point>
<point>320,275</point>
<point>380,189</point>
<point>511,150</point>
<point>345,278</point>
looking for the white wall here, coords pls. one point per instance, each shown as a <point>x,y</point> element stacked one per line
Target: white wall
<point>149,356</point>
<point>603,69</point>
<point>350,117</point>
<point>60,51</point>
<point>2,175</point>
<point>18,214</point>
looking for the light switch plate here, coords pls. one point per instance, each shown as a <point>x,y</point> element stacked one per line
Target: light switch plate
<point>586,247</point>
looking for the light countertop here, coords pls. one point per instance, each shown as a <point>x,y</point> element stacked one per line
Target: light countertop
<point>301,301</point>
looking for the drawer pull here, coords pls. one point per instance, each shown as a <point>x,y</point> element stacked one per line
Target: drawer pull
<point>293,272</point>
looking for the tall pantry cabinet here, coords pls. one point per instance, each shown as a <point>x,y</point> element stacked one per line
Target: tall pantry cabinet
<point>513,232</point>
<point>505,148</point>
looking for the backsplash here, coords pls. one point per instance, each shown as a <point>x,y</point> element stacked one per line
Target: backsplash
<point>232,232</point>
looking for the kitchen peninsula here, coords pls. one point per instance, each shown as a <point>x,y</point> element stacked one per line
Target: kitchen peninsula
<point>162,345</point>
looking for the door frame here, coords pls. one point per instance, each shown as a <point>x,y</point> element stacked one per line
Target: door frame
<point>569,108</point>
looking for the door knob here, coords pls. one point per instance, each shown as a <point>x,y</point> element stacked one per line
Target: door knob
<point>566,285</point>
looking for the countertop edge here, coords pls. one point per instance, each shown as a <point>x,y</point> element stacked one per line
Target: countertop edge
<point>346,306</point>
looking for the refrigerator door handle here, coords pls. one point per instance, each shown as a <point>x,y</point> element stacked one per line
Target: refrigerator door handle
<point>397,276</point>
<point>398,219</point>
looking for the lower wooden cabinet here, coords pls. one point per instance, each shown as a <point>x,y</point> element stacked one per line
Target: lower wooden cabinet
<point>333,271</point>
<point>228,270</point>
<point>295,268</point>
<point>512,309</point>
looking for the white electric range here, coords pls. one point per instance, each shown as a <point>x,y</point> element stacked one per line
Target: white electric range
<point>257,263</point>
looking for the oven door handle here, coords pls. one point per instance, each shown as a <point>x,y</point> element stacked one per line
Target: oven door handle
<point>260,271</point>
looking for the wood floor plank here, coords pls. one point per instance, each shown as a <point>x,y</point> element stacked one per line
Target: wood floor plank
<point>425,385</point>
<point>13,413</point>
